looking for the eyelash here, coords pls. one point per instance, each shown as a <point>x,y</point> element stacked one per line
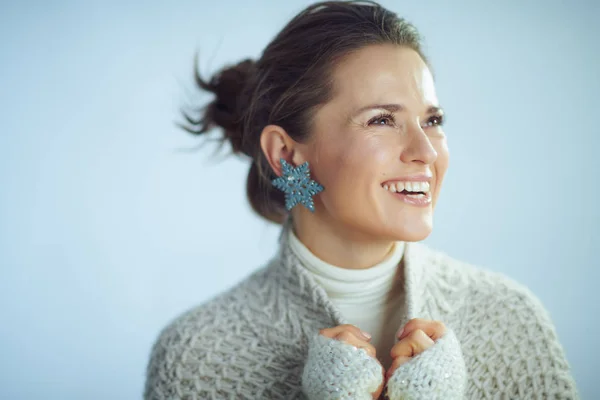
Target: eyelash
<point>441,118</point>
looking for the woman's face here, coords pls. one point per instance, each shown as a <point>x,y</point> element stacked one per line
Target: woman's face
<point>378,135</point>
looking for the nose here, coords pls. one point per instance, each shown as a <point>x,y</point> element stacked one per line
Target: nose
<point>419,147</point>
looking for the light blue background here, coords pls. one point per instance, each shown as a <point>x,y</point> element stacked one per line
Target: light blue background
<point>108,230</point>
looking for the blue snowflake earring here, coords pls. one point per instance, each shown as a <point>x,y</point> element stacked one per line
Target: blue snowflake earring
<point>297,185</point>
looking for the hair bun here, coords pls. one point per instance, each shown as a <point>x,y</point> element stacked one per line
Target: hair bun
<point>225,110</point>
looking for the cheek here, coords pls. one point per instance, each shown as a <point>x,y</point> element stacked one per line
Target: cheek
<point>441,163</point>
<point>364,156</point>
<point>351,163</point>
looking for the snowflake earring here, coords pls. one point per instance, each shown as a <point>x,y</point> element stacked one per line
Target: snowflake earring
<point>297,185</point>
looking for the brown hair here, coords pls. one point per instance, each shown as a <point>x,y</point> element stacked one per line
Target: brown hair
<point>287,84</point>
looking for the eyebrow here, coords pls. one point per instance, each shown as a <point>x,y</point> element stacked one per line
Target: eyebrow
<point>396,108</point>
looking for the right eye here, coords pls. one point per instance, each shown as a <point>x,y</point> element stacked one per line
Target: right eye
<point>384,119</point>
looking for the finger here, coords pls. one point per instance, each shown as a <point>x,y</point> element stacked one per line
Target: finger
<point>433,329</point>
<point>395,365</point>
<point>333,332</point>
<point>416,342</point>
<point>351,339</point>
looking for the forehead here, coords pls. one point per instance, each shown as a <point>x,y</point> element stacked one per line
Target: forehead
<point>384,73</point>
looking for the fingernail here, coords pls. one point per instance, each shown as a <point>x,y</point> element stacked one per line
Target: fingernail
<point>366,335</point>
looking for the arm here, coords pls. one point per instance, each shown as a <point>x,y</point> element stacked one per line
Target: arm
<point>182,365</point>
<point>538,367</point>
<point>165,375</point>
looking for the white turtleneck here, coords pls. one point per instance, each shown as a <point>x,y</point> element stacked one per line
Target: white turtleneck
<point>371,298</point>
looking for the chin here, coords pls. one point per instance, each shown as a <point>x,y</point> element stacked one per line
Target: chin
<point>413,231</point>
<point>414,235</point>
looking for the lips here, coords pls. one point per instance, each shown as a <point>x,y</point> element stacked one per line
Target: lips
<point>415,193</point>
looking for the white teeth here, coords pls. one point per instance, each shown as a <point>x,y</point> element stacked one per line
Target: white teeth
<point>408,186</point>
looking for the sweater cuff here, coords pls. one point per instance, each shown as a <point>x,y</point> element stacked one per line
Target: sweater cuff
<point>337,370</point>
<point>437,373</point>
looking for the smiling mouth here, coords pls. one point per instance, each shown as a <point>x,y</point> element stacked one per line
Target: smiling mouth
<point>408,188</point>
<point>412,193</point>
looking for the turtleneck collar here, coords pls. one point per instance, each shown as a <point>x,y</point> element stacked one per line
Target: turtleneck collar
<point>417,259</point>
<point>345,287</point>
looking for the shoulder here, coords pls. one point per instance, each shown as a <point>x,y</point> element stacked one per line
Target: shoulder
<point>192,349</point>
<point>504,329</point>
<point>480,284</point>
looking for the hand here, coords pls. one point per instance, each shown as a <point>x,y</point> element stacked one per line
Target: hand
<point>352,335</point>
<point>417,336</point>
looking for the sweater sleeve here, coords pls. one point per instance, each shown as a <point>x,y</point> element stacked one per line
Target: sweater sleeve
<point>167,377</point>
<point>336,370</point>
<point>185,364</point>
<point>435,374</point>
<point>532,363</point>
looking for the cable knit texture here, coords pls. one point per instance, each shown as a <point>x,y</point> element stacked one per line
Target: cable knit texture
<point>335,370</point>
<point>438,373</point>
<point>252,341</point>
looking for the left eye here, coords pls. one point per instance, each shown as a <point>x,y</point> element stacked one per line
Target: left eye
<point>436,120</point>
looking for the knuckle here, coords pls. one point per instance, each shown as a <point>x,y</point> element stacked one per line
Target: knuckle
<point>424,343</point>
<point>395,351</point>
<point>421,336</point>
<point>355,330</point>
<point>416,334</point>
<point>349,328</point>
<point>371,350</point>
<point>414,346</point>
<point>418,321</point>
<point>419,341</point>
<point>345,336</point>
<point>413,322</point>
<point>440,326</point>
<point>327,332</point>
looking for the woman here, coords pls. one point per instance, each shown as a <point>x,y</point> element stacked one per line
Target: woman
<point>345,132</point>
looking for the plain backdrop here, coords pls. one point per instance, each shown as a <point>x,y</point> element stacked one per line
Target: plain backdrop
<point>112,224</point>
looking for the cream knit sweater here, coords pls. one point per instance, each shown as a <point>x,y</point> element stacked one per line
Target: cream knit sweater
<point>259,339</point>
<point>371,299</point>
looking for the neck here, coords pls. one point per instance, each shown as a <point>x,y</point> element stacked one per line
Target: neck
<point>338,244</point>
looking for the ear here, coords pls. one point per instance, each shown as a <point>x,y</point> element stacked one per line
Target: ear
<point>276,144</point>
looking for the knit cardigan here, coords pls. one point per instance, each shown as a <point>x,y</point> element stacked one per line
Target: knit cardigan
<point>253,340</point>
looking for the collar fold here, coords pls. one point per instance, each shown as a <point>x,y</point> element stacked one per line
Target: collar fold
<point>417,265</point>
